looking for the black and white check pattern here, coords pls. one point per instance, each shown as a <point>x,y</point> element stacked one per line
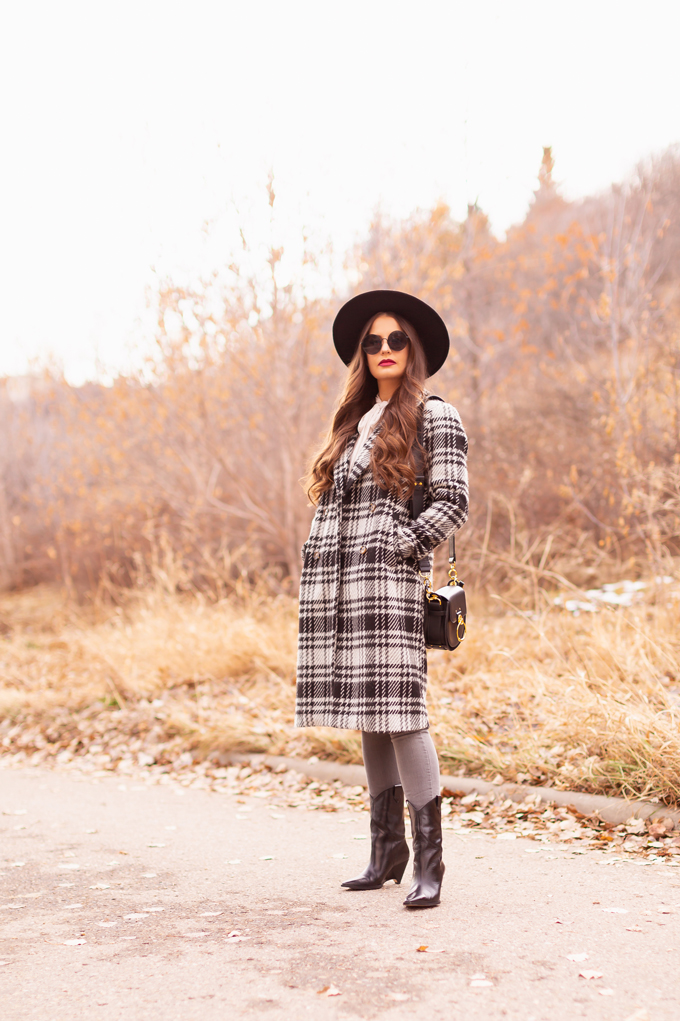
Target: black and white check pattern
<point>361,654</point>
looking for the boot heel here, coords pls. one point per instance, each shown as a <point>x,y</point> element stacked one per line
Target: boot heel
<point>397,872</point>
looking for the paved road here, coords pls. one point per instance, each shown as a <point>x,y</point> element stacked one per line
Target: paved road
<point>95,852</point>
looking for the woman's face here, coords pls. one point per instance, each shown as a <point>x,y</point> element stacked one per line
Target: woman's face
<point>387,366</point>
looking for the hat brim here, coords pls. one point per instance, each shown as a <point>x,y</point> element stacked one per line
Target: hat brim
<point>355,313</point>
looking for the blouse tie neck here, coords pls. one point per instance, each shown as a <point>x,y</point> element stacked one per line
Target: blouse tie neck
<point>367,423</point>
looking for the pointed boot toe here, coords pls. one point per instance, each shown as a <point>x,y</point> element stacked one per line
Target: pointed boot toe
<point>371,879</point>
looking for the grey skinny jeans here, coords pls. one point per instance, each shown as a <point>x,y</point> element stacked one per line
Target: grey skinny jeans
<point>407,758</point>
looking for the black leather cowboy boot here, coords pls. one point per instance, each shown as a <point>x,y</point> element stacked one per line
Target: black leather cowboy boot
<point>389,850</point>
<point>428,867</point>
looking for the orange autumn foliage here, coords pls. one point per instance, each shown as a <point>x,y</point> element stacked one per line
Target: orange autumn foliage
<point>565,367</point>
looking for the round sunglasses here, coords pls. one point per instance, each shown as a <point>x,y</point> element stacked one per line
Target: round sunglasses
<point>397,341</point>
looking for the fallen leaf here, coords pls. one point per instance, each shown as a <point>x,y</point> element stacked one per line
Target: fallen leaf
<point>74,942</point>
<point>590,974</point>
<point>399,997</point>
<point>234,861</point>
<point>329,991</point>
<point>576,958</point>
<point>66,865</point>
<point>154,909</point>
<point>340,855</point>
<point>428,950</point>
<point>106,925</point>
<point>634,825</point>
<point>267,857</point>
<point>127,937</point>
<point>148,845</point>
<point>20,865</point>
<point>478,983</point>
<point>360,836</point>
<point>507,836</point>
<point>203,914</point>
<point>634,928</point>
<point>235,936</point>
<point>616,911</point>
<point>100,886</point>
<point>134,916</point>
<point>73,905</point>
<point>606,992</point>
<point>149,875</point>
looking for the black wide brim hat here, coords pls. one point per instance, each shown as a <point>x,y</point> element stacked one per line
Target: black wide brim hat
<point>429,325</point>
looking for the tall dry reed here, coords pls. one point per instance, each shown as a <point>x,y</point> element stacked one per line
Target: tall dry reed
<point>589,702</point>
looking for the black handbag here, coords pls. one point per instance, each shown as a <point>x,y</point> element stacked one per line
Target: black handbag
<point>445,609</point>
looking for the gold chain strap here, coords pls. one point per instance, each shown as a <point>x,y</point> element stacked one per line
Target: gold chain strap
<point>431,596</point>
<point>427,584</point>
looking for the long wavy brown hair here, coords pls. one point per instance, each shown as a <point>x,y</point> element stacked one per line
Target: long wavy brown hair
<point>392,462</point>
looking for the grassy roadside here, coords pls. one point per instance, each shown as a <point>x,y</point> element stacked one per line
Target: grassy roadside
<point>589,702</point>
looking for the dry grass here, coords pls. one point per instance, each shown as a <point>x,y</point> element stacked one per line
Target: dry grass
<point>589,702</point>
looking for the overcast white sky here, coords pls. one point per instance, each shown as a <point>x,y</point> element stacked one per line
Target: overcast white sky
<point>126,127</point>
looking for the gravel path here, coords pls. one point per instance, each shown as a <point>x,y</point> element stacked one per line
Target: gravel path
<point>121,899</point>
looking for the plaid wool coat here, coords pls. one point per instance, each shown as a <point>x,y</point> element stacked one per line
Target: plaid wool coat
<point>362,663</point>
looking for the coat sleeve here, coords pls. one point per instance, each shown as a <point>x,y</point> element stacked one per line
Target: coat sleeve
<point>447,481</point>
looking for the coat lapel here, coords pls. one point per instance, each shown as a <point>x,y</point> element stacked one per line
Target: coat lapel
<point>341,466</point>
<point>362,461</point>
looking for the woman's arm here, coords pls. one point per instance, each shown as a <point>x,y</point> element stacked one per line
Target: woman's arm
<point>447,446</point>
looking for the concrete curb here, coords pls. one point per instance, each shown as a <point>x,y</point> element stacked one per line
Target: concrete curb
<point>613,810</point>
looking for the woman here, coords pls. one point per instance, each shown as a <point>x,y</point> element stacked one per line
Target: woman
<point>361,653</point>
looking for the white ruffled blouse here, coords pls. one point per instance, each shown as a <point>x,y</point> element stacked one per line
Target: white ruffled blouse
<point>367,424</point>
